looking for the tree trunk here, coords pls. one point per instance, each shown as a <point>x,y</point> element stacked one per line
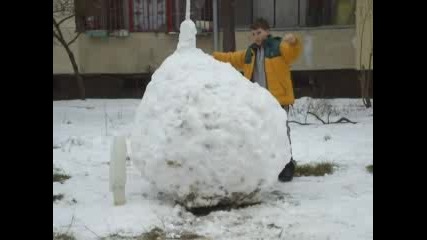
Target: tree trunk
<point>65,45</point>
<point>364,83</point>
<point>227,19</point>
<point>367,99</point>
<point>364,74</point>
<point>79,79</point>
<point>67,11</point>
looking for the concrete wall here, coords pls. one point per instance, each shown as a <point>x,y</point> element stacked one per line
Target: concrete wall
<point>134,54</point>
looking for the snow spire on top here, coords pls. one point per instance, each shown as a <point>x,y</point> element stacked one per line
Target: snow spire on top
<point>187,10</point>
<point>187,31</point>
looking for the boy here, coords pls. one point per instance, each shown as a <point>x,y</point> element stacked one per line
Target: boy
<point>267,61</point>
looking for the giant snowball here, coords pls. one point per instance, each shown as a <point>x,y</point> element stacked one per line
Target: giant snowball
<point>206,135</point>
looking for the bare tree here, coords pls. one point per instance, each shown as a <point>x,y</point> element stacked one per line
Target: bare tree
<point>63,10</point>
<point>227,19</point>
<point>365,76</point>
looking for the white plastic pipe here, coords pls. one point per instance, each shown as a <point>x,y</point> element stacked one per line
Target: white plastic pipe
<point>118,170</point>
<point>187,10</point>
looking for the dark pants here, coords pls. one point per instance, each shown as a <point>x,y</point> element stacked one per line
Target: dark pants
<point>286,108</point>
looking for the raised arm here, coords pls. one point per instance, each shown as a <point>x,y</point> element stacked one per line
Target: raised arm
<point>291,48</point>
<point>237,59</point>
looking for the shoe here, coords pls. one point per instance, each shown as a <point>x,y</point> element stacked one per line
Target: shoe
<point>287,173</point>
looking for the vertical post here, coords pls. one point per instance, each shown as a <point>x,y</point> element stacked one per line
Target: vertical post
<point>215,24</point>
<point>178,14</point>
<point>187,10</point>
<point>299,13</point>
<point>169,14</point>
<point>274,13</point>
<point>131,15</point>
<point>118,170</point>
<point>252,10</point>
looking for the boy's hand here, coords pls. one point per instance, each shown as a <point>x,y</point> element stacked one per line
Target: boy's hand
<point>290,38</point>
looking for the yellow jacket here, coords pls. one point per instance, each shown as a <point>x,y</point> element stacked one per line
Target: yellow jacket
<point>279,55</point>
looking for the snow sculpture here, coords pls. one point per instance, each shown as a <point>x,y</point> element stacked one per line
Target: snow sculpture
<point>206,135</point>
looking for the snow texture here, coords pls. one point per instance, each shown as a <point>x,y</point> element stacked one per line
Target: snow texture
<point>187,35</point>
<point>337,206</point>
<point>205,134</point>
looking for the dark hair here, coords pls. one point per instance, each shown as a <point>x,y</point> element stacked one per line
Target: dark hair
<point>260,23</point>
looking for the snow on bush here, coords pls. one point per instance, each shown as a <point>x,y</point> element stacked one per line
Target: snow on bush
<point>206,135</point>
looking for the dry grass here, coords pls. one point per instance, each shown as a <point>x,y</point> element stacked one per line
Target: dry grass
<point>156,234</point>
<point>63,236</point>
<point>59,177</point>
<point>317,169</point>
<point>58,197</point>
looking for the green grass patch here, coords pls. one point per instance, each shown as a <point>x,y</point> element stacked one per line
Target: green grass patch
<point>370,168</point>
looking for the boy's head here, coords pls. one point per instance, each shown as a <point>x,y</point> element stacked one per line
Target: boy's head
<point>260,30</point>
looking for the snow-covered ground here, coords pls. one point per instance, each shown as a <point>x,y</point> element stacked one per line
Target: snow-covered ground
<point>339,206</point>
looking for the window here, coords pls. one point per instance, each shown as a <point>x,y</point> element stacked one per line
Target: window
<point>167,15</point>
<point>141,15</point>
<point>148,15</point>
<point>106,15</point>
<point>288,13</point>
<point>315,13</point>
<point>296,13</point>
<point>116,15</point>
<point>201,13</point>
<point>243,13</point>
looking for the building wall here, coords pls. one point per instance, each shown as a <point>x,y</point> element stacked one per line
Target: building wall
<point>61,61</point>
<point>137,53</point>
<point>364,33</point>
<point>324,48</point>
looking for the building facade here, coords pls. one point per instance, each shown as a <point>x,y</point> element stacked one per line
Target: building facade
<point>123,41</point>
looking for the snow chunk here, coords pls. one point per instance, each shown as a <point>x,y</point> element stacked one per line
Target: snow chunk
<point>187,35</point>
